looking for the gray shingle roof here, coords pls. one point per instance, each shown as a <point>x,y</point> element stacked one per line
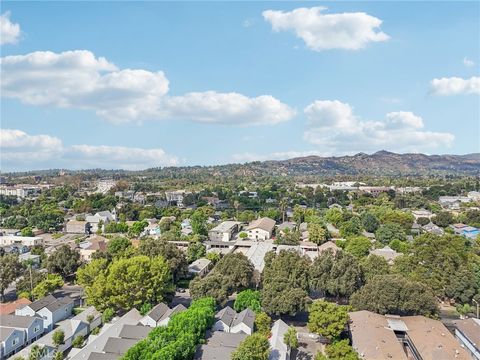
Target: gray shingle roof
<point>226,315</point>
<point>41,303</point>
<point>118,345</point>
<point>16,321</point>
<point>135,332</point>
<point>54,306</point>
<point>158,311</point>
<point>247,317</point>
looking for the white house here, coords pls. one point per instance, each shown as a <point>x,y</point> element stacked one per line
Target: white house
<point>279,350</point>
<point>160,315</point>
<point>261,229</point>
<point>104,217</point>
<point>224,231</point>
<point>50,309</point>
<point>227,320</point>
<point>20,240</point>
<point>199,267</point>
<point>243,322</point>
<point>223,319</point>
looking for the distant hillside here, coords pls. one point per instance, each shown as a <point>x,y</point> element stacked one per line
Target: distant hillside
<point>381,163</point>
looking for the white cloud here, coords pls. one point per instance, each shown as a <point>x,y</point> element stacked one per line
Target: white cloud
<point>16,145</point>
<point>455,86</point>
<point>9,31</point>
<point>333,127</point>
<point>78,79</point>
<point>23,151</point>
<point>319,31</point>
<point>283,155</point>
<point>467,62</point>
<point>227,108</point>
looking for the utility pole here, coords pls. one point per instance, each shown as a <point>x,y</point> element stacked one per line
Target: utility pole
<point>476,302</point>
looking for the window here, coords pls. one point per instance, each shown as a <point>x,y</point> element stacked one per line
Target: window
<point>15,341</point>
<point>36,329</point>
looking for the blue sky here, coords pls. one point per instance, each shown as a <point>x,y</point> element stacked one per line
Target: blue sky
<point>240,82</point>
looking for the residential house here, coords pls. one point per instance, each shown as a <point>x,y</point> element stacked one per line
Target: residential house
<point>10,307</point>
<point>227,320</point>
<point>30,258</point>
<point>474,195</point>
<point>79,325</point>
<point>261,229</point>
<point>469,232</point>
<point>288,226</point>
<point>101,217</point>
<point>329,246</point>
<point>380,337</point>
<point>279,350</point>
<point>50,309</point>
<point>387,253</point>
<point>77,227</point>
<point>11,341</point>
<point>114,340</point>
<point>160,315</point>
<point>433,229</point>
<point>256,253</point>
<point>422,213</point>
<point>8,240</point>
<point>468,333</point>
<point>199,267</point>
<point>92,245</point>
<point>220,345</point>
<point>18,331</point>
<point>243,322</point>
<point>224,231</point>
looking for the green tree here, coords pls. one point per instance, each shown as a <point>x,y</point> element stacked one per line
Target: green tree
<point>137,228</point>
<point>431,257</point>
<point>358,246</point>
<point>327,319</point>
<point>198,221</point>
<point>285,283</point>
<point>58,337</point>
<point>36,352</point>
<point>248,299</point>
<point>334,216</point>
<point>263,323</point>
<point>27,231</point>
<point>64,261</point>
<point>254,347</point>
<point>213,285</point>
<point>10,269</point>
<point>393,294</point>
<point>422,221</point>
<point>374,265</point>
<point>336,274</point>
<point>195,250</point>
<point>370,222</point>
<point>118,246</point>
<point>78,341</point>
<point>317,233</point>
<point>87,273</point>
<point>352,227</point>
<point>108,315</point>
<point>131,282</point>
<point>290,338</point>
<point>341,350</point>
<point>58,355</point>
<point>388,232</point>
<point>47,286</point>
<point>443,219</point>
<point>175,257</point>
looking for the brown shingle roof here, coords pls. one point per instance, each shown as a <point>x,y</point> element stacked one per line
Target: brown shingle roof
<point>10,307</point>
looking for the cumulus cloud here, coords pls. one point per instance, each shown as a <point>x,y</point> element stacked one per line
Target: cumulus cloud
<point>455,86</point>
<point>24,151</point>
<point>9,31</point>
<point>283,155</point>
<point>319,31</point>
<point>226,108</point>
<point>78,79</point>
<point>333,126</point>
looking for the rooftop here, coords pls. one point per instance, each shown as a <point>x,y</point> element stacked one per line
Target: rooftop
<point>264,223</point>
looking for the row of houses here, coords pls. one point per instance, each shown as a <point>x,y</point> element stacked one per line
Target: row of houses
<point>31,321</point>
